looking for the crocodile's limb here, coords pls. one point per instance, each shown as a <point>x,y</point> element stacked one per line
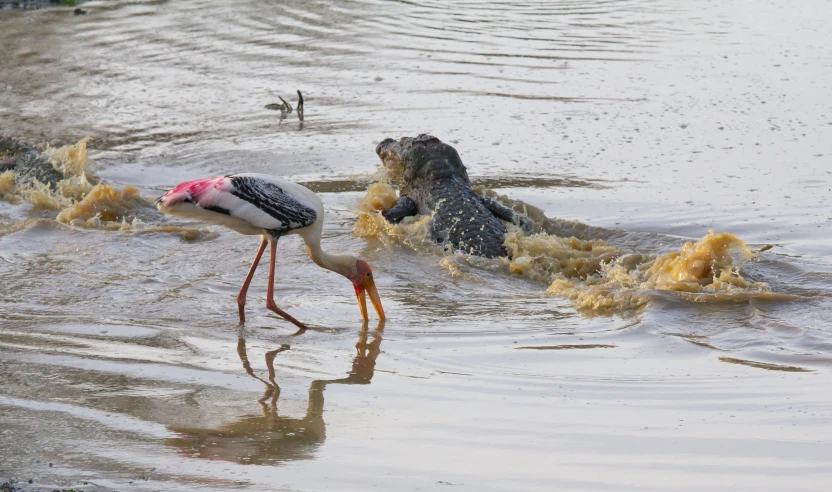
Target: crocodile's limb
<point>404,207</point>
<point>504,213</point>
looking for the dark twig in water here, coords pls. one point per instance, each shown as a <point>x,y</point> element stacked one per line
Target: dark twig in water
<point>287,108</point>
<point>284,107</point>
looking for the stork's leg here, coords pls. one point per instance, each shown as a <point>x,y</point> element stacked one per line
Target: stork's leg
<point>270,304</point>
<point>241,297</point>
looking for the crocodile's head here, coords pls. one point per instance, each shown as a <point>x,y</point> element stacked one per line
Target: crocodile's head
<point>424,158</point>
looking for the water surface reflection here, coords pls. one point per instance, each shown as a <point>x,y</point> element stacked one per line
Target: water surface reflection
<point>641,123</point>
<point>270,437</point>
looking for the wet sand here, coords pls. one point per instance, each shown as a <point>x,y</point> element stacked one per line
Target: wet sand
<point>642,125</point>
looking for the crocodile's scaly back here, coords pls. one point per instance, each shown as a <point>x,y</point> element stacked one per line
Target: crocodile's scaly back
<point>431,174</point>
<point>461,219</point>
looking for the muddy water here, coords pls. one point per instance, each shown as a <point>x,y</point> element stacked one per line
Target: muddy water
<point>642,125</point>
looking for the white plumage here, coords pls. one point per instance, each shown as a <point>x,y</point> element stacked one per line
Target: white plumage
<point>270,206</point>
<point>211,199</point>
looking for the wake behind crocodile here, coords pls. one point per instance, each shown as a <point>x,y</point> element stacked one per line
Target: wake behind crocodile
<point>597,276</point>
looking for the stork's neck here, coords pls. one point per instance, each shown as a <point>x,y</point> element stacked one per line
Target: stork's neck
<point>343,264</point>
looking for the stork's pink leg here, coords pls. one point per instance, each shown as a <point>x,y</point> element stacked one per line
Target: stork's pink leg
<point>241,297</point>
<point>270,304</point>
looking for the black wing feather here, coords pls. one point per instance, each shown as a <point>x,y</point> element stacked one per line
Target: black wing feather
<point>271,199</point>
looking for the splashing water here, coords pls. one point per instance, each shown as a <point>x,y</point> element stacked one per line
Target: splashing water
<point>72,160</point>
<point>103,203</point>
<point>82,201</point>
<point>596,276</point>
<point>7,180</point>
<point>704,271</point>
<point>412,231</point>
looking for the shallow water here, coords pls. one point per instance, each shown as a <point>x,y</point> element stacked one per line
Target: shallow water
<point>648,123</point>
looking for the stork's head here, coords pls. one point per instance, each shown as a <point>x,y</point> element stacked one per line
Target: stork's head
<point>364,284</point>
<point>423,157</point>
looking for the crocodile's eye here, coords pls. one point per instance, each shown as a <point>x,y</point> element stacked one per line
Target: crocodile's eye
<point>440,240</point>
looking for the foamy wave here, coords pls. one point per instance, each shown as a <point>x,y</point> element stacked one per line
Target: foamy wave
<point>596,276</point>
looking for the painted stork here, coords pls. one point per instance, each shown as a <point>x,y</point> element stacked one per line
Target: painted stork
<point>269,206</point>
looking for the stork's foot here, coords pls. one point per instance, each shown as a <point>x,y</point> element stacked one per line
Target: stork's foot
<point>271,306</point>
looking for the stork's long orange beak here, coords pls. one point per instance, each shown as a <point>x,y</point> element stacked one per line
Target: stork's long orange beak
<point>361,294</point>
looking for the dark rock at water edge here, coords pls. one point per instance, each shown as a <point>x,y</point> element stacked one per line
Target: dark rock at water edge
<point>37,4</point>
<point>10,486</point>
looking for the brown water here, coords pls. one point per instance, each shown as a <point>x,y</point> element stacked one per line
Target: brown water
<point>642,125</point>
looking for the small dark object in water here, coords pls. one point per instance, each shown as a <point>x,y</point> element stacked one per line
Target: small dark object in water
<point>433,181</point>
<point>79,12</point>
<point>286,108</point>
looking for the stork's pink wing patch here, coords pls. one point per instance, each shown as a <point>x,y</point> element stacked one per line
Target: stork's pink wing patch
<point>195,191</point>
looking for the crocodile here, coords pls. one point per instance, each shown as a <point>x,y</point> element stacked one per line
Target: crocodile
<point>29,165</point>
<point>433,181</point>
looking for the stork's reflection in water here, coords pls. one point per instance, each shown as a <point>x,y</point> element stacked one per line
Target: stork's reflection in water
<point>272,438</point>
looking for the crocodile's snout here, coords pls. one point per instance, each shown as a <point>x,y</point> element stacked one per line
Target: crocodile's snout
<point>408,148</point>
<point>384,147</point>
<point>391,154</point>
